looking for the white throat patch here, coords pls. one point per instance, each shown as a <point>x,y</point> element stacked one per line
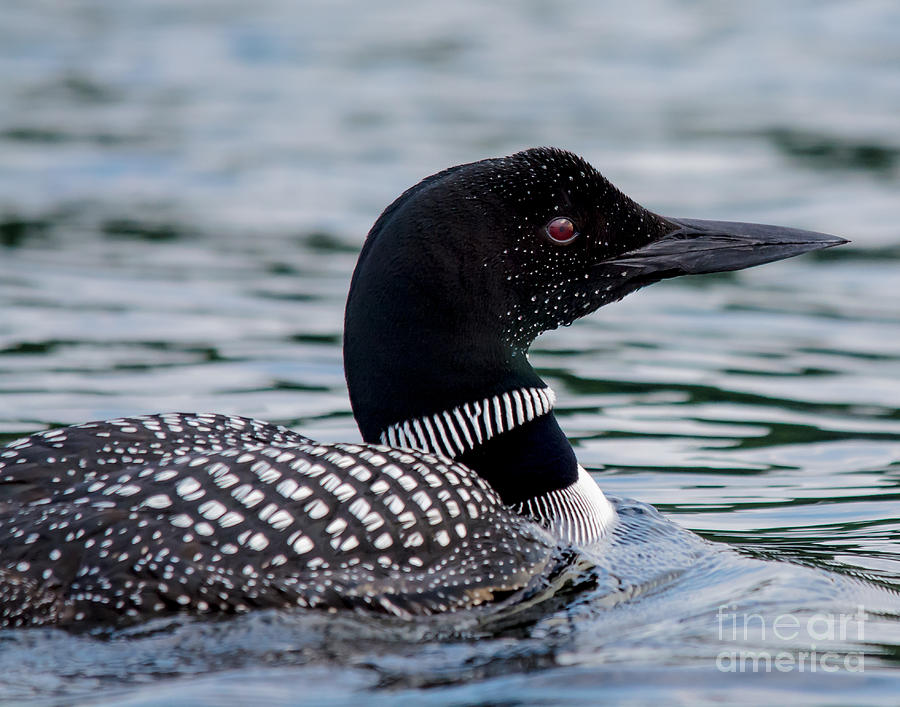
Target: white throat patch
<point>579,513</point>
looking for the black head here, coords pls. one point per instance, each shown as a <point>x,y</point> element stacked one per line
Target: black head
<point>509,240</point>
<point>464,270</point>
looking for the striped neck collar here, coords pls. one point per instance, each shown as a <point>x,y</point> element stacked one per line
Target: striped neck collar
<point>576,512</point>
<point>461,429</point>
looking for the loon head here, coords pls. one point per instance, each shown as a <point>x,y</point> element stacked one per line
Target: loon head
<point>462,272</point>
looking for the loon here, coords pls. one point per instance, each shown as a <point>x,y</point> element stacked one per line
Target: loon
<point>464,488</point>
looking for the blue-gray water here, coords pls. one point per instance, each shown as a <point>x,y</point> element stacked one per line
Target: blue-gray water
<point>184,187</point>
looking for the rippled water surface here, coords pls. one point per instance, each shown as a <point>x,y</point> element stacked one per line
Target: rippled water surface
<point>184,188</point>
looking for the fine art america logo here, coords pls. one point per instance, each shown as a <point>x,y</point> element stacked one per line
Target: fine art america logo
<point>781,635</point>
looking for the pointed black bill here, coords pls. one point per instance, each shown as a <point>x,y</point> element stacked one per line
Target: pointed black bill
<point>696,247</point>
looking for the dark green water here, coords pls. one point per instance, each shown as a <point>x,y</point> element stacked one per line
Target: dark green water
<point>184,188</point>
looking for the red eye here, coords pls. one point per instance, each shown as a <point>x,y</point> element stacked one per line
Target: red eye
<point>561,231</point>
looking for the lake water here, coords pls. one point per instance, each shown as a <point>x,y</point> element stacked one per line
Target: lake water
<point>183,191</point>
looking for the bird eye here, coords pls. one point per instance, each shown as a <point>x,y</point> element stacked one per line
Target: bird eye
<point>561,231</point>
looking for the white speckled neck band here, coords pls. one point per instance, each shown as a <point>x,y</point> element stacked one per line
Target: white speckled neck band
<point>459,430</point>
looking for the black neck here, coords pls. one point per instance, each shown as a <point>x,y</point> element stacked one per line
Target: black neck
<point>526,462</point>
<point>393,401</point>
